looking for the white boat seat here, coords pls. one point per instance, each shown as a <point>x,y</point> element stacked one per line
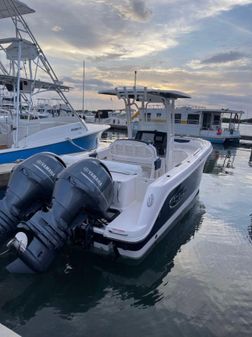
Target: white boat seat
<point>135,152</point>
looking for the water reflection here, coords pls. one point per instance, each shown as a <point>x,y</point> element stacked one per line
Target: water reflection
<point>250,159</point>
<point>221,161</point>
<point>112,135</point>
<point>250,228</point>
<point>93,277</point>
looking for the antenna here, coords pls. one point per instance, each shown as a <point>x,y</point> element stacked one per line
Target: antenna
<point>135,78</point>
<point>83,85</point>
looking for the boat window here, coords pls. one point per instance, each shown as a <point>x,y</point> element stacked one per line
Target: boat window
<point>147,137</point>
<point>206,123</point>
<point>178,118</point>
<point>147,117</point>
<point>192,119</point>
<point>216,120</point>
<point>159,114</point>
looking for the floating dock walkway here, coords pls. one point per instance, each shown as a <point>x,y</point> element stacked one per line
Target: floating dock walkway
<point>246,137</point>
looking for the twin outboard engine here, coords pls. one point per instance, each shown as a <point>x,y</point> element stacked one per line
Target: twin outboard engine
<point>85,187</point>
<point>30,187</point>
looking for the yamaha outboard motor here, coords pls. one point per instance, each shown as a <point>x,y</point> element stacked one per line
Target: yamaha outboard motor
<point>29,188</point>
<point>85,187</point>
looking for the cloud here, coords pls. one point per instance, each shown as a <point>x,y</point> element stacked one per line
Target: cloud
<point>101,29</point>
<point>98,29</point>
<point>224,57</point>
<point>116,37</point>
<point>56,28</point>
<point>135,10</point>
<point>224,60</point>
<point>240,99</point>
<point>90,84</point>
<point>211,88</point>
<point>237,102</point>
<point>209,8</point>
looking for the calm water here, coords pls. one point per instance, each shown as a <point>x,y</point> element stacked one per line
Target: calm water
<point>196,282</point>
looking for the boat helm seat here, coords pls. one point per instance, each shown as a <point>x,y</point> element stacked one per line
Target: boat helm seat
<point>137,153</point>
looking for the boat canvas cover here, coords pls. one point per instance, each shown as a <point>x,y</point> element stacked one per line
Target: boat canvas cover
<point>9,8</point>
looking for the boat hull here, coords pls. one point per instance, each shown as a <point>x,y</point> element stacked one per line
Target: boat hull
<point>83,143</point>
<point>175,204</point>
<point>222,140</point>
<point>215,140</point>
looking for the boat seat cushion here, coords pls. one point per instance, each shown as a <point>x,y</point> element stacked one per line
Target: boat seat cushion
<point>135,152</point>
<point>123,168</point>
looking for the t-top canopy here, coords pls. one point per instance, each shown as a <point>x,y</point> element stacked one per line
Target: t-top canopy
<point>149,95</point>
<point>10,81</point>
<point>9,8</point>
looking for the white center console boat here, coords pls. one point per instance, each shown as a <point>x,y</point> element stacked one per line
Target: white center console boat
<point>119,200</point>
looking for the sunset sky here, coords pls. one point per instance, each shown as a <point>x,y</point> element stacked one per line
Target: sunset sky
<point>202,47</point>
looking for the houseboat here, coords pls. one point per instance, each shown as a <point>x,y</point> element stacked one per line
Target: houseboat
<point>215,125</point>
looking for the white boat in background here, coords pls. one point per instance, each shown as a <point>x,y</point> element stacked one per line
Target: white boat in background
<point>48,108</point>
<point>208,124</point>
<point>115,119</point>
<point>121,199</point>
<point>204,123</point>
<point>21,134</point>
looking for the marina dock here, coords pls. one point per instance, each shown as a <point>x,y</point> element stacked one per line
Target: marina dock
<point>5,332</point>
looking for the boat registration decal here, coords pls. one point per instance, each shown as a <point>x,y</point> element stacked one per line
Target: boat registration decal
<point>76,129</point>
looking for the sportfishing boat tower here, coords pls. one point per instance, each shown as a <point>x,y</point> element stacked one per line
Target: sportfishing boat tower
<point>25,74</point>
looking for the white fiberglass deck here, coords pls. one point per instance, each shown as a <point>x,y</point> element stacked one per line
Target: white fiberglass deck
<point>5,332</point>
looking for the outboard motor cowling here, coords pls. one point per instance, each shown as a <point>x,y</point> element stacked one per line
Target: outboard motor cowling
<point>29,188</point>
<point>85,187</point>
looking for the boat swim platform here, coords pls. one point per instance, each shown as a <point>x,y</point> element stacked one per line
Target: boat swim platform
<point>5,332</point>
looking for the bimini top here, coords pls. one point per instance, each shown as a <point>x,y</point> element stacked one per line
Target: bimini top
<point>144,94</point>
<point>10,8</point>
